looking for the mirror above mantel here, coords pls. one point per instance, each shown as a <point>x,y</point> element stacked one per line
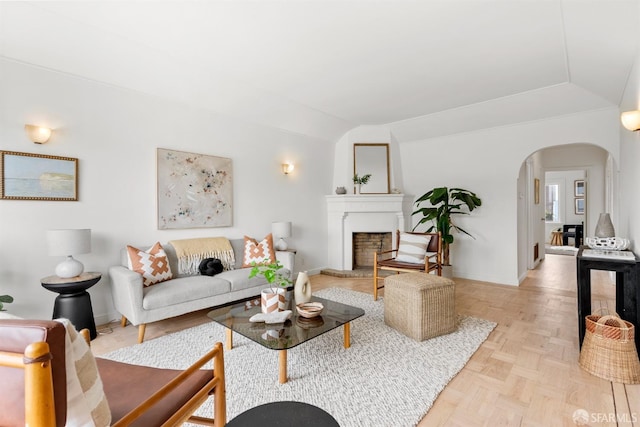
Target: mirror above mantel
<point>369,158</point>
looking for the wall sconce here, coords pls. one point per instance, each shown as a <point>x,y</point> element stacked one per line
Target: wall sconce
<point>38,134</point>
<point>287,168</point>
<point>631,120</point>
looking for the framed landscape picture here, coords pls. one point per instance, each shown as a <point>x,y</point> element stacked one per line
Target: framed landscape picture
<point>579,206</point>
<point>194,190</point>
<point>578,187</point>
<point>26,176</point>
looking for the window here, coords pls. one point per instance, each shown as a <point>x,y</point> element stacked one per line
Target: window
<point>552,203</point>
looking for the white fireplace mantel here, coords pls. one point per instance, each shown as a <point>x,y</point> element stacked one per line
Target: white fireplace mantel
<point>362,213</point>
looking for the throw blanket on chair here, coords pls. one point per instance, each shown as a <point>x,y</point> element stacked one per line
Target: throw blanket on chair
<point>191,252</point>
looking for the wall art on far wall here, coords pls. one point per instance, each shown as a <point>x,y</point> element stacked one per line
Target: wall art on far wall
<point>579,206</point>
<point>194,190</point>
<point>26,176</point>
<point>578,188</point>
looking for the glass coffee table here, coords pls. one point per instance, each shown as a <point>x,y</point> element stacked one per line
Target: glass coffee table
<point>283,336</point>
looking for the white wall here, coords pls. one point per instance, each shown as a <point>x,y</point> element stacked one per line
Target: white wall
<point>488,162</point>
<point>627,223</point>
<point>114,133</point>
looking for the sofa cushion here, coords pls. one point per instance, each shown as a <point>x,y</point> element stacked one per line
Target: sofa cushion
<point>153,264</point>
<point>258,252</point>
<point>182,290</point>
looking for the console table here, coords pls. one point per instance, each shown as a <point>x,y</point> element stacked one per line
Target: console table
<point>74,302</point>
<point>627,288</point>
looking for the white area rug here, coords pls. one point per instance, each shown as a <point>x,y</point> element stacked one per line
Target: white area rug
<point>384,379</point>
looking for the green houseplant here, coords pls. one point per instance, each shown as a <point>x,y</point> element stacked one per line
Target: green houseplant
<point>445,203</point>
<point>5,299</point>
<point>271,271</point>
<point>361,180</point>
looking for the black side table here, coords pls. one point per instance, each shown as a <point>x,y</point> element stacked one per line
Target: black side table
<point>627,289</point>
<point>74,302</point>
<point>284,414</point>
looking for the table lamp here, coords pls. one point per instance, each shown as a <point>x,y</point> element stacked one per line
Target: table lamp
<point>68,243</point>
<point>280,230</point>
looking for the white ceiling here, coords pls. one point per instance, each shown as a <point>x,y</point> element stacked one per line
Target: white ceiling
<point>322,67</point>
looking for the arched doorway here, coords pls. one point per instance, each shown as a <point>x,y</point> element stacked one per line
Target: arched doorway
<point>590,161</point>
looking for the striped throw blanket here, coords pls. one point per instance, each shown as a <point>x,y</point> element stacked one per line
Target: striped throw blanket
<point>191,252</point>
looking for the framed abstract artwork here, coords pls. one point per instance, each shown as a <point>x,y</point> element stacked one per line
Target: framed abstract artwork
<point>579,209</point>
<point>578,188</point>
<point>26,176</point>
<point>194,190</point>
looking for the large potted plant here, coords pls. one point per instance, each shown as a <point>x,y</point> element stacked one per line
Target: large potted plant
<point>280,286</point>
<point>445,203</point>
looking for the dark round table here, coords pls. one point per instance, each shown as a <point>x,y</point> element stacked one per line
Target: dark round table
<point>74,302</point>
<point>284,414</point>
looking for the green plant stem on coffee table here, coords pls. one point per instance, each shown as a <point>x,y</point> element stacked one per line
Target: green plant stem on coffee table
<point>445,203</point>
<point>271,271</point>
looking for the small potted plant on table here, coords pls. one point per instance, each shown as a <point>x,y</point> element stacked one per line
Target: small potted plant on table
<point>275,297</point>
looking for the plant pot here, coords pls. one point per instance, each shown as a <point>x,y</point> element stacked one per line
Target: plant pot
<point>447,271</point>
<point>272,300</point>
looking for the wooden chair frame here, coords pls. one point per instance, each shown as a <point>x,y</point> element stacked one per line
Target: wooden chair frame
<point>39,396</point>
<point>385,261</point>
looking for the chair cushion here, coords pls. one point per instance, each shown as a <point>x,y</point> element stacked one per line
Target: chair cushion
<point>15,336</point>
<point>392,264</point>
<point>153,264</point>
<point>412,248</point>
<point>127,386</point>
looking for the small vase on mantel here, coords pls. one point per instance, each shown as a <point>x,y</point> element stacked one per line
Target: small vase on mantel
<point>604,227</point>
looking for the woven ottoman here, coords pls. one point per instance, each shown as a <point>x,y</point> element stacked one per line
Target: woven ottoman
<point>420,305</point>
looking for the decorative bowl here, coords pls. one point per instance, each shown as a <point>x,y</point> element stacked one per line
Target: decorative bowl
<point>309,309</point>
<point>608,243</point>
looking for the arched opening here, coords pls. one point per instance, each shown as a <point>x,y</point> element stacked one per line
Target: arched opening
<point>581,180</point>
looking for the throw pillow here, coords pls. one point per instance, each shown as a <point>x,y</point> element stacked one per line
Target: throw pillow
<point>86,402</point>
<point>258,252</point>
<point>152,264</point>
<point>412,248</point>
<point>210,267</point>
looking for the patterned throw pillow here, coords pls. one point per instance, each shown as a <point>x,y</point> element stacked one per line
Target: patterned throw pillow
<point>86,402</point>
<point>153,264</point>
<point>412,248</point>
<point>257,252</point>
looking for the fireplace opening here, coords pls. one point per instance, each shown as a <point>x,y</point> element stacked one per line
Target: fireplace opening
<point>364,246</point>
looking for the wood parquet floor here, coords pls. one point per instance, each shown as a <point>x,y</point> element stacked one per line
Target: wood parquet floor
<point>525,374</point>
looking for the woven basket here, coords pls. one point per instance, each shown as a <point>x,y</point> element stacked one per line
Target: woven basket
<point>609,350</point>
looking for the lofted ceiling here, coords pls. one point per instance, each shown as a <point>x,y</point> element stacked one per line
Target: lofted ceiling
<point>321,67</point>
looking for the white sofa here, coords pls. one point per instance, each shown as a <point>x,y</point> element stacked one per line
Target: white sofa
<point>183,294</point>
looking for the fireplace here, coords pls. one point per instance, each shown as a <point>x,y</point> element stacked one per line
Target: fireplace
<point>366,244</point>
<point>362,213</point>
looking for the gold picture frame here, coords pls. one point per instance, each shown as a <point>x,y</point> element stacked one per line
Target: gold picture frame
<point>27,176</point>
<point>536,191</point>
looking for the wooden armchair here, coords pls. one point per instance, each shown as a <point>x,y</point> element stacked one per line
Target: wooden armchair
<point>387,260</point>
<point>34,376</point>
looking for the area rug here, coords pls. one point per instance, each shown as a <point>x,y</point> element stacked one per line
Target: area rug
<point>383,379</point>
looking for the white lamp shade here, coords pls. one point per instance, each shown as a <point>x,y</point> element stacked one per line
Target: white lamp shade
<point>281,229</point>
<point>69,242</point>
